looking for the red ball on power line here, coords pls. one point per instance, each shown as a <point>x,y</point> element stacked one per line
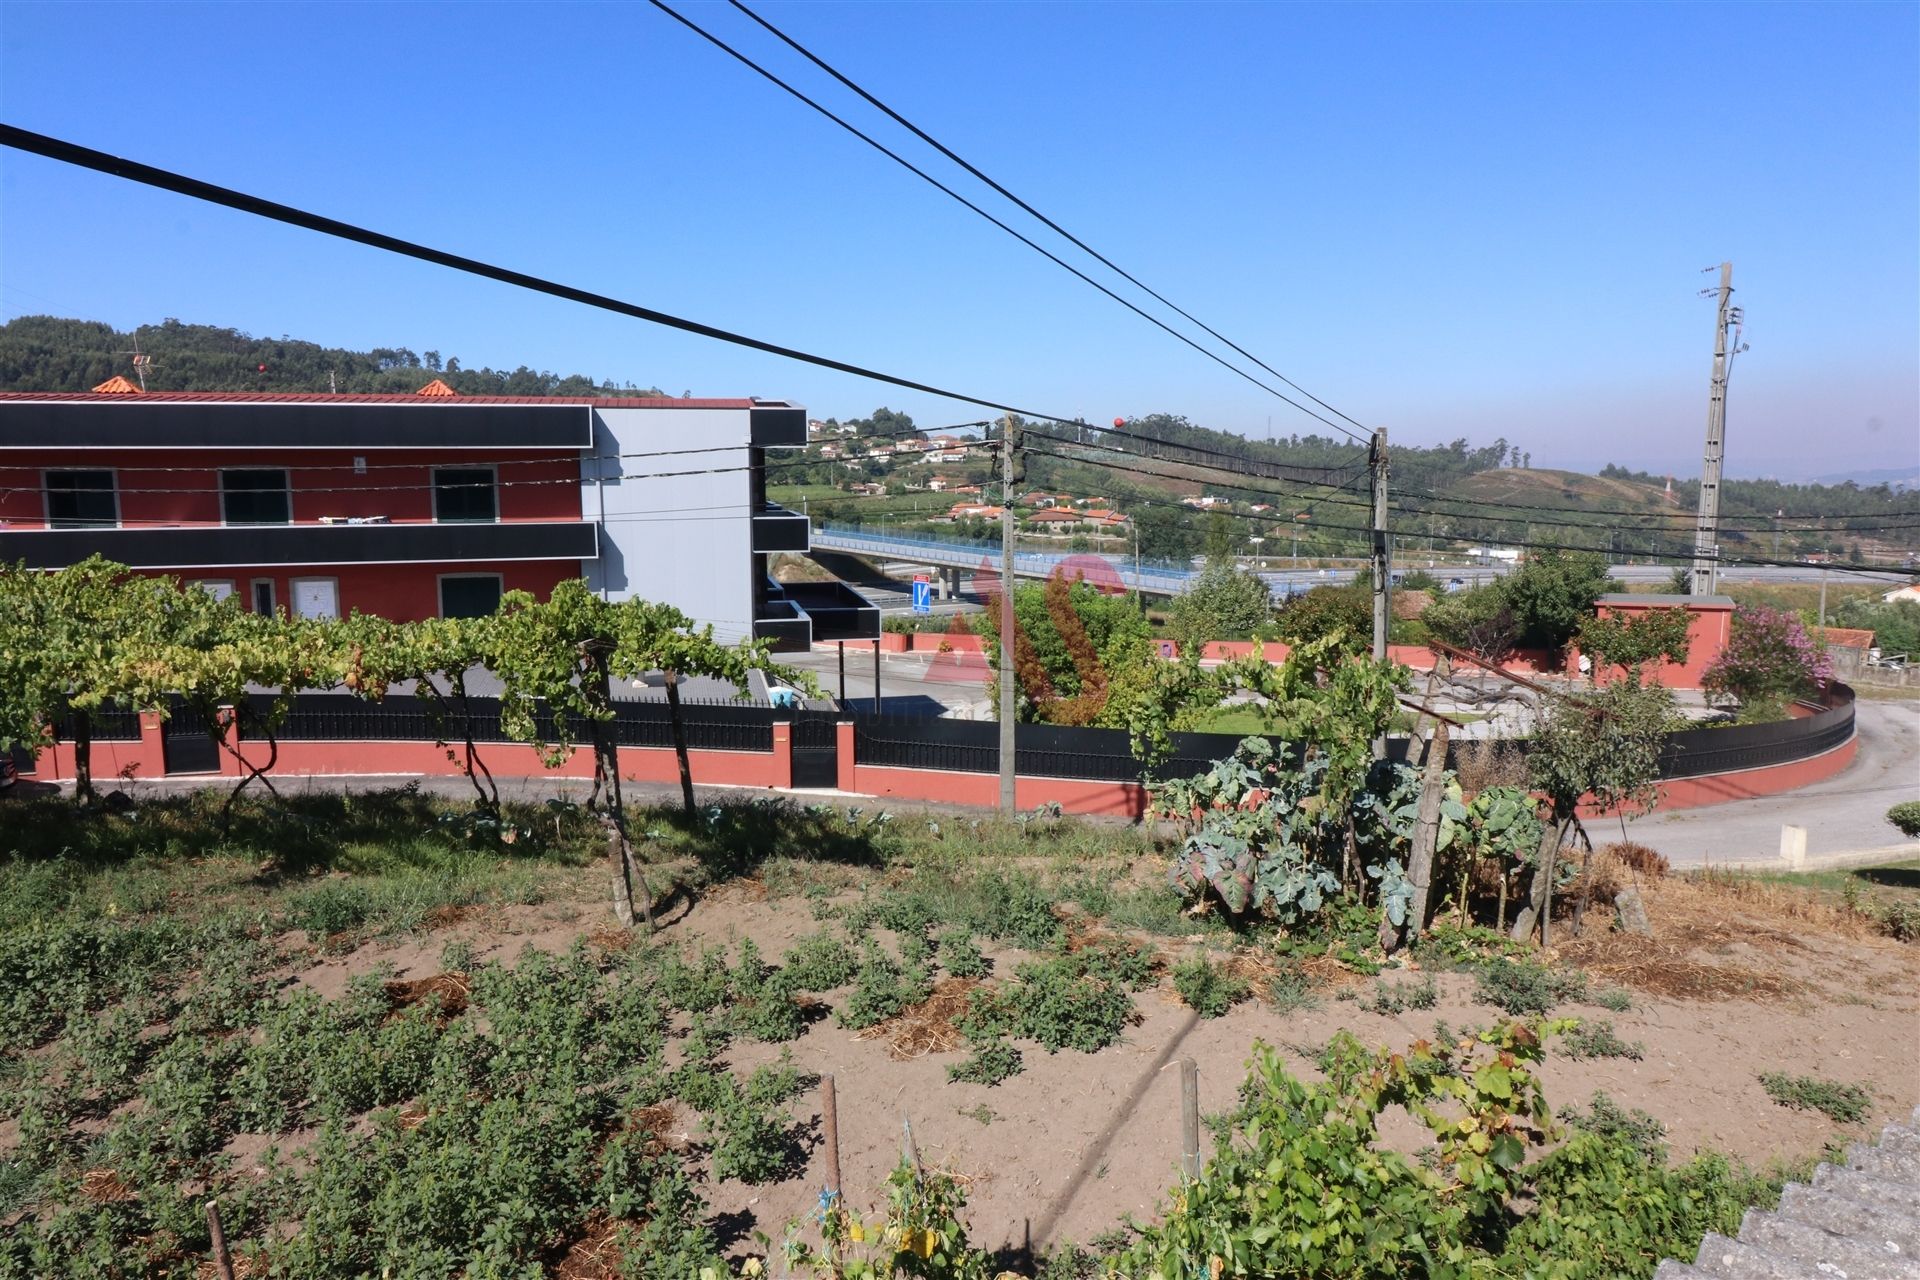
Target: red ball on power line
<point>1119,422</point>
<point>263,368</point>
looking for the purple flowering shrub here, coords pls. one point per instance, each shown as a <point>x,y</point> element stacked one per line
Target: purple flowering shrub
<point>1769,661</point>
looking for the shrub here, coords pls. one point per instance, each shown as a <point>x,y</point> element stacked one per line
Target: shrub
<point>1208,989</point>
<point>1053,1002</point>
<point>1906,817</point>
<point>879,992</point>
<point>1841,1103</point>
<point>1769,658</point>
<point>1901,920</point>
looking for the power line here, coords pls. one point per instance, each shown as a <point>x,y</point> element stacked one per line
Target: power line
<point>166,180</point>
<point>1430,496</point>
<point>928,178</point>
<point>1105,261</point>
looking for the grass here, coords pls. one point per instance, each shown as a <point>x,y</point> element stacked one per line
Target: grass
<point>1885,897</point>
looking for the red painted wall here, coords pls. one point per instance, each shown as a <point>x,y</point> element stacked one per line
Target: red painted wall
<point>1709,627</point>
<point>143,759</point>
<point>397,484</point>
<point>402,592</point>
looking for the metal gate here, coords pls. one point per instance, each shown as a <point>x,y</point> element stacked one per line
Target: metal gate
<point>816,749</point>
<point>185,744</point>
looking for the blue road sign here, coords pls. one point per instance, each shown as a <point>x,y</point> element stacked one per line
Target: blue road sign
<point>922,596</point>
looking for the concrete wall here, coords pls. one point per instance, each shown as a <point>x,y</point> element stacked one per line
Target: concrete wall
<point>683,540</point>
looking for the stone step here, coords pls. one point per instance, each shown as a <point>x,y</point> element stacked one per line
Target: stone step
<point>1857,1184</point>
<point>1671,1270</point>
<point>1843,1216</point>
<point>1835,1256</point>
<point>1737,1260</point>
<point>1881,1162</point>
<point>1898,1137</point>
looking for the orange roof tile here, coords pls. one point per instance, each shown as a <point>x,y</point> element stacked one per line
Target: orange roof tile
<point>1848,637</point>
<point>436,388</point>
<point>117,386</point>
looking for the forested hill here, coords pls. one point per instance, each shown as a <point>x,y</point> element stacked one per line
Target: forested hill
<point>46,353</point>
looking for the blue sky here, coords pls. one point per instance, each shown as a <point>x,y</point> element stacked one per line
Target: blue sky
<point>1449,220</point>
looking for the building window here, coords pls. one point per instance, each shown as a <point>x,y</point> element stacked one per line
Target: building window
<point>255,497</point>
<point>469,595</point>
<point>464,495</point>
<point>263,596</point>
<point>81,498</point>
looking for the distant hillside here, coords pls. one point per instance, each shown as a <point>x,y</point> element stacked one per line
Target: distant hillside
<point>47,353</point>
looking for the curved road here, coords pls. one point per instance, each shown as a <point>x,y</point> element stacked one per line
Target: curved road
<point>1842,814</point>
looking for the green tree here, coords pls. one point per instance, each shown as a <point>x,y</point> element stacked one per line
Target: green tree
<point>1631,642</point>
<point>1224,603</point>
<point>73,641</point>
<point>1605,745</point>
<point>1327,612</point>
<point>1478,621</point>
<point>1553,594</point>
<point>435,655</point>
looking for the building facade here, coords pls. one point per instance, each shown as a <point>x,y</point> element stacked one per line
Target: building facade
<point>420,506</point>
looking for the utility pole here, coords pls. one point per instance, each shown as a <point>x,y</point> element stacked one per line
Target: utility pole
<point>1706,537</point>
<point>1382,557</point>
<point>1007,666</point>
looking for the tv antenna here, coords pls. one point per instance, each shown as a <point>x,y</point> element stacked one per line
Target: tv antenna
<point>141,360</point>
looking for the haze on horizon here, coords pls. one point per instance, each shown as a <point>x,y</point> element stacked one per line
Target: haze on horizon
<point>1451,221</point>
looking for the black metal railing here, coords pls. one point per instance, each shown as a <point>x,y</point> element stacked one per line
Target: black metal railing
<point>107,724</point>
<point>334,717</point>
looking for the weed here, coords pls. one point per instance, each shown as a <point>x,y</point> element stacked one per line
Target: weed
<point>982,1114</point>
<point>1391,1000</point>
<point>990,1065</point>
<point>1291,991</point>
<point>1613,999</point>
<point>1208,989</point>
<point>1526,986</point>
<point>1901,920</point>
<point>457,956</point>
<point>1607,1120</point>
<point>1598,1040</point>
<point>696,988</point>
<point>753,1144</point>
<point>1117,960</point>
<point>1841,1103</point>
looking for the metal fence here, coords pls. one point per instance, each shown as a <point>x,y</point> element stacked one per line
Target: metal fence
<point>1055,751</point>
<point>1042,750</point>
<point>108,724</point>
<point>333,717</point>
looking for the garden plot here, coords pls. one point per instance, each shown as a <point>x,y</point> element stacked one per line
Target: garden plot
<point>442,1059</point>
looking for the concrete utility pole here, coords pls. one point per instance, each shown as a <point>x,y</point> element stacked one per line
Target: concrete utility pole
<point>1382,556</point>
<point>1706,535</point>
<point>1007,674</point>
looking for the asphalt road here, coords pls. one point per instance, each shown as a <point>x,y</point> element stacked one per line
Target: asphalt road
<point>1843,814</point>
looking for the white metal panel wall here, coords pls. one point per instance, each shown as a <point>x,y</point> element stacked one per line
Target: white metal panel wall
<point>685,540</point>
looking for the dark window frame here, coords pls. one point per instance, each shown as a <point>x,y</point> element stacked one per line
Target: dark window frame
<point>227,494</point>
<point>468,492</point>
<point>75,521</point>
<point>440,591</point>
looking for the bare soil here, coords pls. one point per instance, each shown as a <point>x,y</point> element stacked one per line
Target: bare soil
<point>1727,988</point>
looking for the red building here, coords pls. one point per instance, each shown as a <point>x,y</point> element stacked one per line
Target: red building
<point>419,506</point>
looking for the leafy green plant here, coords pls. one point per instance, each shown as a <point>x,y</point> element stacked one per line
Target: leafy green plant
<point>1905,816</point>
<point>960,956</point>
<point>990,1064</point>
<point>1841,1103</point>
<point>1054,1002</point>
<point>920,1234</point>
<point>1599,1040</point>
<point>1613,999</point>
<point>1208,989</point>
<point>879,991</point>
<point>818,962</point>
